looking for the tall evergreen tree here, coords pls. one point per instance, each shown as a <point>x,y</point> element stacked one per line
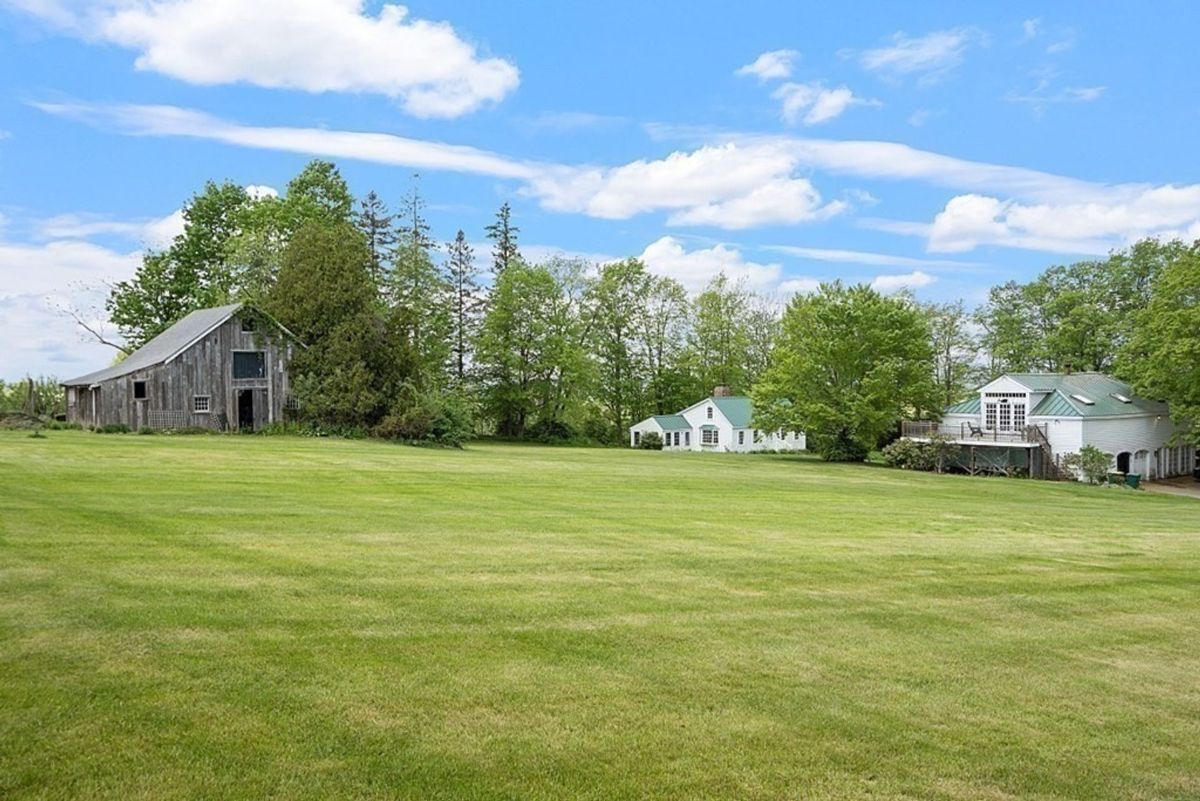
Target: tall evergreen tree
<point>420,295</point>
<point>379,229</point>
<point>504,238</point>
<point>467,302</point>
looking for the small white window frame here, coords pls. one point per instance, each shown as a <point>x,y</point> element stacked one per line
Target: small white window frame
<point>207,404</point>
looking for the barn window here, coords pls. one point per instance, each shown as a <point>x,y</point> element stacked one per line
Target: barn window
<point>247,325</point>
<point>201,404</point>
<point>292,403</point>
<point>139,390</point>
<point>249,364</point>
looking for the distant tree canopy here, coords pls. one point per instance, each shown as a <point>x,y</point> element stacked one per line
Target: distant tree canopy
<point>413,341</point>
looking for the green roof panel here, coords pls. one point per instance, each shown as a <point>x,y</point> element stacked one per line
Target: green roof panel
<point>737,410</point>
<point>672,422</point>
<point>969,406</point>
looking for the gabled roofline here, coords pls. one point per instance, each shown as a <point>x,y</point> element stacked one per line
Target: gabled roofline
<point>237,308</point>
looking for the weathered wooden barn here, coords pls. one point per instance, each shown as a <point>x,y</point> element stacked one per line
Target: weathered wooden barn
<point>224,368</point>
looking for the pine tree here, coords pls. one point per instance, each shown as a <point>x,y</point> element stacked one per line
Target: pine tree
<point>420,294</point>
<point>379,228</point>
<point>467,303</point>
<point>504,234</point>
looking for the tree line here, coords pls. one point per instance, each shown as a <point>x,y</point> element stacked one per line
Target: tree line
<point>413,339</point>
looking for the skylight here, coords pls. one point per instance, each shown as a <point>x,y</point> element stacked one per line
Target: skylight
<point>1084,400</point>
<point>1121,398</point>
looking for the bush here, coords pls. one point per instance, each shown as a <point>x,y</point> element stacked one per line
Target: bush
<point>551,432</point>
<point>112,428</point>
<point>146,430</point>
<point>937,454</point>
<point>840,447</point>
<point>1090,465</point>
<point>651,441</point>
<point>59,425</point>
<point>426,419</point>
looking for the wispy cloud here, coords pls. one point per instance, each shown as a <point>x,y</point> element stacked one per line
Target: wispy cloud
<point>772,65</point>
<point>812,103</point>
<point>929,57</point>
<point>839,256</point>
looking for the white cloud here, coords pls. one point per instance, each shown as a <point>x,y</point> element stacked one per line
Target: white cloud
<point>774,64</point>
<point>929,56</point>
<point>839,256</point>
<point>1096,227</point>
<point>798,286</point>
<point>895,283</point>
<point>694,269</point>
<point>154,233</point>
<point>310,45</point>
<point>812,103</point>
<point>260,192</point>
<point>1042,96</point>
<point>1030,29</point>
<point>786,201</point>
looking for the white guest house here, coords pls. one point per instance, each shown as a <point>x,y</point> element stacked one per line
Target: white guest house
<point>1032,420</point>
<point>717,423</point>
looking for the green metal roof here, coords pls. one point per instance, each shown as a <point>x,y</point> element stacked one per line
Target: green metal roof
<point>737,410</point>
<point>1100,389</point>
<point>969,406</point>
<point>708,427</point>
<point>671,422</point>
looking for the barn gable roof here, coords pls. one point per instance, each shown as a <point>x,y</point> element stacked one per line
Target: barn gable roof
<point>166,346</point>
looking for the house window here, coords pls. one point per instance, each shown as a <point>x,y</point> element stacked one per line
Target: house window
<point>687,439</point>
<point>201,404</point>
<point>710,436</point>
<point>249,364</point>
<point>741,438</point>
<point>637,438</point>
<point>989,416</point>
<point>1018,411</point>
<point>676,437</point>
<point>139,390</point>
<point>709,412</point>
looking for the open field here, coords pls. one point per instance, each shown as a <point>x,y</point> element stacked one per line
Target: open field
<point>223,617</point>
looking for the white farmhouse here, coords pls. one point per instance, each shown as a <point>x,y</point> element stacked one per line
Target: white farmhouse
<point>1032,420</point>
<point>720,422</point>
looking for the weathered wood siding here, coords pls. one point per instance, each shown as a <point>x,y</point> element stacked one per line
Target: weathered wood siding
<point>205,368</point>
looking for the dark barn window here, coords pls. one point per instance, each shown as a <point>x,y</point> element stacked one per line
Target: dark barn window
<point>139,390</point>
<point>249,364</point>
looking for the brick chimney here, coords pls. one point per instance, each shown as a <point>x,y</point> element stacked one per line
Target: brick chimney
<point>720,391</point>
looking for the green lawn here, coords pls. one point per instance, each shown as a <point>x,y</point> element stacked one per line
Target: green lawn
<point>244,617</point>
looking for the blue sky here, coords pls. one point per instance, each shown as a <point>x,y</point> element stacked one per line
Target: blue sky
<point>942,147</point>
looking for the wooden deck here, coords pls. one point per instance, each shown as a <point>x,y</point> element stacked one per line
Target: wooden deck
<point>961,434</point>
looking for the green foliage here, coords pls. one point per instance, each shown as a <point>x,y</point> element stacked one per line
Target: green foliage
<point>467,304</point>
<point>421,297</point>
<point>1162,357</point>
<point>37,397</point>
<point>955,351</point>
<point>426,418</point>
<point>1091,465</point>
<point>615,308</point>
<point>504,241</point>
<point>849,365</point>
<point>651,441</point>
<point>936,455</point>
<point>112,428</point>
<point>719,345</point>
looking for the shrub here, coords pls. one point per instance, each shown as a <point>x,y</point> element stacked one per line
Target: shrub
<point>146,430</point>
<point>839,447</point>
<point>113,428</point>
<point>551,432</point>
<point>424,418</point>
<point>937,454</point>
<point>1090,465</point>
<point>651,441</point>
<point>59,425</point>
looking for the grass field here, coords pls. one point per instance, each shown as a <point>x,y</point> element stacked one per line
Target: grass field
<point>225,617</point>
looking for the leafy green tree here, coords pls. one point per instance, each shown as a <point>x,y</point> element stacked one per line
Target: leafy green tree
<point>615,307</point>
<point>665,322</point>
<point>719,347</point>
<point>955,351</point>
<point>1162,357</point>
<point>318,194</point>
<point>1010,338</point>
<point>467,302</point>
<point>849,365</point>
<point>504,238</point>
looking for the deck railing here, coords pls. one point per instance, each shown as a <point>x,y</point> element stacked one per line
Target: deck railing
<point>963,432</point>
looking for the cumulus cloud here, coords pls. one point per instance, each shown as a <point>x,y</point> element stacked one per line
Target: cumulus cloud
<point>695,268</point>
<point>308,45</point>
<point>895,283</point>
<point>929,57</point>
<point>812,103</point>
<point>772,65</point>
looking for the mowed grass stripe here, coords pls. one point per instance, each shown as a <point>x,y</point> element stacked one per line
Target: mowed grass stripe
<point>217,617</point>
